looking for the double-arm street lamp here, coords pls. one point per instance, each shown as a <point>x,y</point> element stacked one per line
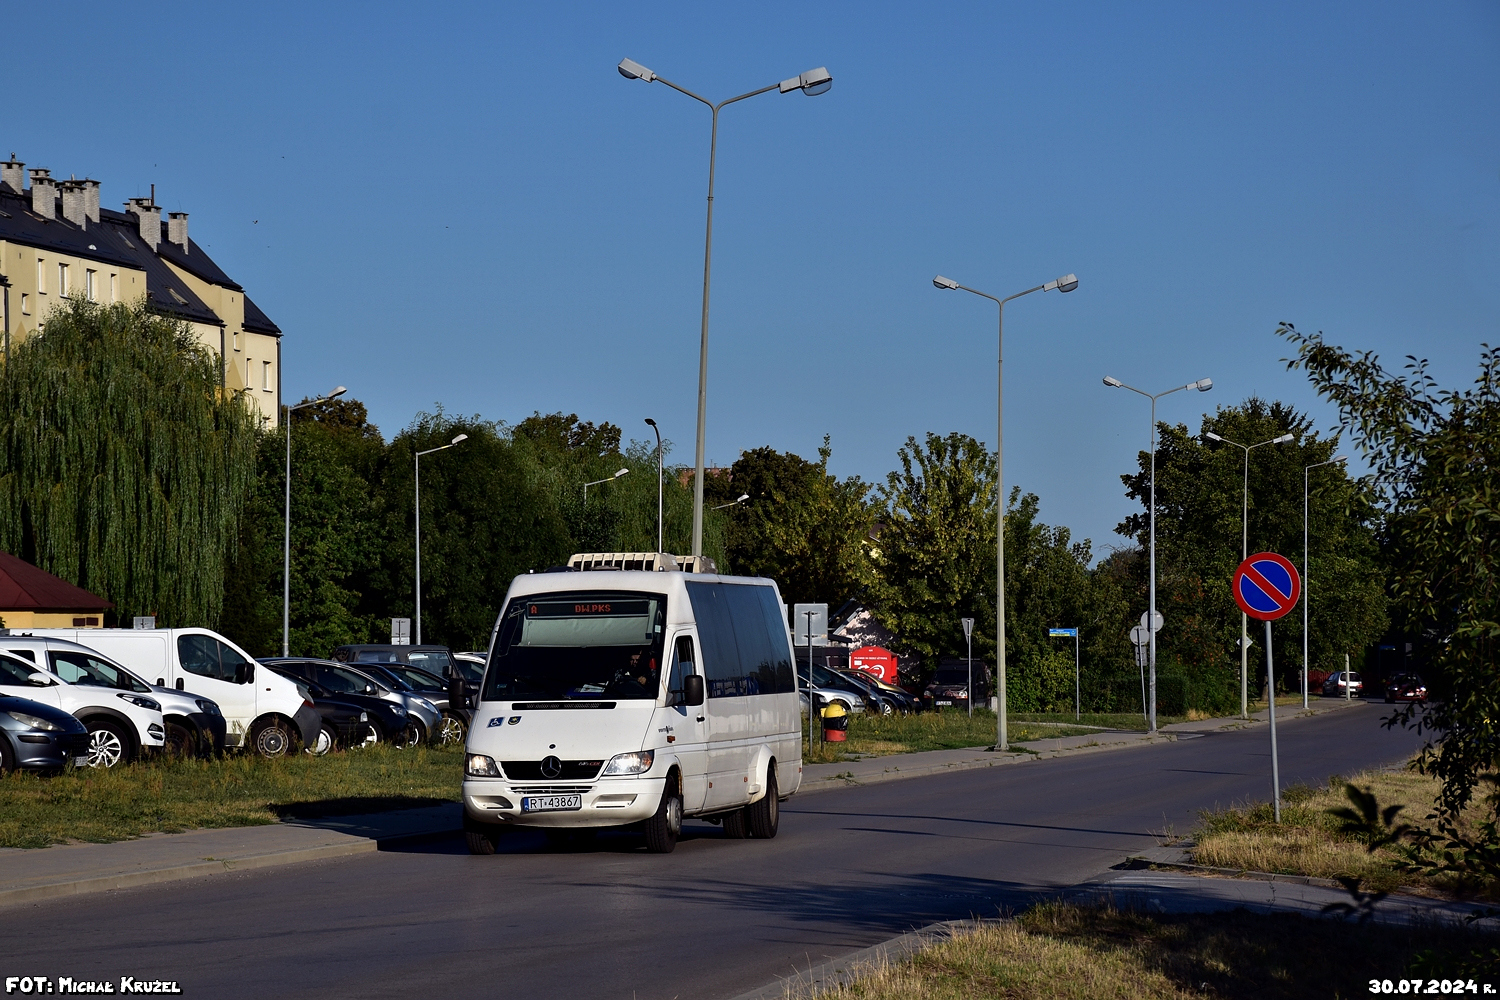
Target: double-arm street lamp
<point>286,551</point>
<point>1066,283</point>
<point>596,482</point>
<point>1244,553</point>
<point>418,497</point>
<point>811,83</point>
<point>1202,385</point>
<point>658,483</point>
<point>1306,594</point>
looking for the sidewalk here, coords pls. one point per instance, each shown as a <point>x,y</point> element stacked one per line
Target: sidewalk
<point>30,875</point>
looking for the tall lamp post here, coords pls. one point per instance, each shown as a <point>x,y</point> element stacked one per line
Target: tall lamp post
<point>1066,283</point>
<point>1202,385</point>
<point>1306,596</point>
<point>812,83</point>
<point>596,482</point>
<point>658,484</point>
<point>1244,554</point>
<point>286,551</point>
<point>418,498</point>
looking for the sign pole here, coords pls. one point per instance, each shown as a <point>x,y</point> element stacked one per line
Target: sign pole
<point>1271,705</point>
<point>812,709</point>
<point>1077,681</point>
<point>1348,688</point>
<point>968,624</point>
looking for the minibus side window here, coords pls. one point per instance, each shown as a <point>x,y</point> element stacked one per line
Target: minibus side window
<point>682,666</point>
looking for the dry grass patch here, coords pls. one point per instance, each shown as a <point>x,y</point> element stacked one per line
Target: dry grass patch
<point>172,795</point>
<point>1058,951</point>
<point>882,735</point>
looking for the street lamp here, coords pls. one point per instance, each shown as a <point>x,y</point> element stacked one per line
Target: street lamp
<point>732,503</point>
<point>812,83</point>
<point>606,479</point>
<point>286,552</point>
<point>659,482</point>
<point>417,492</point>
<point>1306,596</point>
<point>1066,283</point>
<point>1202,385</point>
<point>1244,554</point>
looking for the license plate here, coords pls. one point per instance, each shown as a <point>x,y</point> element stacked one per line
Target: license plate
<point>945,703</point>
<point>81,761</point>
<point>551,803</point>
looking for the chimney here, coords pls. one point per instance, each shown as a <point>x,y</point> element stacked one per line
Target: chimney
<point>75,203</point>
<point>13,174</point>
<point>43,194</point>
<point>148,219</point>
<point>91,200</point>
<point>177,229</point>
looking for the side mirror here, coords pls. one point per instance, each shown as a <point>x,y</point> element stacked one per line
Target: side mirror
<point>692,689</point>
<point>369,689</point>
<point>244,673</point>
<point>40,680</point>
<point>316,691</point>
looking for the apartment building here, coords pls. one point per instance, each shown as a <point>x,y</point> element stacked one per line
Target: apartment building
<point>56,241</point>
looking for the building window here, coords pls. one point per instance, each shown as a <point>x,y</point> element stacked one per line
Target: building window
<point>62,279</point>
<point>25,304</point>
<point>265,375</point>
<point>41,276</point>
<point>114,287</point>
<point>88,284</point>
<point>235,339</point>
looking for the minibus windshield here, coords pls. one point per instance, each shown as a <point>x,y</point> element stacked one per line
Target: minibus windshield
<point>593,646</point>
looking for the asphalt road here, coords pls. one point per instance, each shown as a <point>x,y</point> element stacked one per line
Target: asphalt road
<point>849,869</point>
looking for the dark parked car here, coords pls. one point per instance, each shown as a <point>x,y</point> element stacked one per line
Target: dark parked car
<point>342,678</point>
<point>1405,687</point>
<point>454,725</point>
<point>349,719</point>
<point>39,737</point>
<point>433,659</point>
<point>949,686</point>
<point>890,698</point>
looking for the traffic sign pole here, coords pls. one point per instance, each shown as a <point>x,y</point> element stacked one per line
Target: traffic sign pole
<point>1266,586</point>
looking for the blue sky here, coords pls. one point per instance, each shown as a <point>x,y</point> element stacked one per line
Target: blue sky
<point>467,205</point>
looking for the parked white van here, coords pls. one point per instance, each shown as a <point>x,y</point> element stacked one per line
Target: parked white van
<point>619,697</point>
<point>262,709</point>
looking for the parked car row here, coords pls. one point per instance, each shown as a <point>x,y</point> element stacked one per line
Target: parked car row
<point>130,692</point>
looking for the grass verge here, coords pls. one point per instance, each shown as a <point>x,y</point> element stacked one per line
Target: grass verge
<point>1058,951</point>
<point>1308,840</point>
<point>881,735</point>
<point>172,795</point>
<point>1130,721</point>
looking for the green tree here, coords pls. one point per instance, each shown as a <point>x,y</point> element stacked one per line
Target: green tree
<point>802,526</point>
<point>1199,514</point>
<point>1436,460</point>
<point>126,466</point>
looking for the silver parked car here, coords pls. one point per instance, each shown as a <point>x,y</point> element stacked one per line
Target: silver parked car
<point>423,716</point>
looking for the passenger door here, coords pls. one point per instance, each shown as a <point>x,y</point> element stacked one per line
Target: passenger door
<point>688,726</point>
<point>15,681</point>
<point>215,671</point>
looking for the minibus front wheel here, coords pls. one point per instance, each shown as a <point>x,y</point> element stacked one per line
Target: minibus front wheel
<point>482,838</point>
<point>663,827</point>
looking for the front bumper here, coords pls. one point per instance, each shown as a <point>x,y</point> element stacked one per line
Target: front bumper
<point>211,729</point>
<point>309,724</point>
<point>606,801</point>
<point>41,751</point>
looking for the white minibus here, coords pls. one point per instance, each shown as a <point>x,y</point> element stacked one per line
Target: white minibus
<point>613,698</point>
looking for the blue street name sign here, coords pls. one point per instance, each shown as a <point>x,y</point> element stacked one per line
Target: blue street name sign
<point>1070,632</point>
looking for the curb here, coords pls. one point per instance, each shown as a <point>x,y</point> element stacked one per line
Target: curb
<point>273,859</point>
<point>1142,864</point>
<point>820,979</point>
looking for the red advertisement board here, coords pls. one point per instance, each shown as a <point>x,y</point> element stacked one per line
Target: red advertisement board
<point>875,660</point>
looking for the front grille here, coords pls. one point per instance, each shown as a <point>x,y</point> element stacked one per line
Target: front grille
<point>74,744</point>
<point>531,770</point>
<point>551,789</point>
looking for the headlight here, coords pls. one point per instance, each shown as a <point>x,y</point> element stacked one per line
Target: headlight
<point>630,763</point>
<point>209,707</point>
<point>398,711</point>
<point>35,722</point>
<point>429,706</point>
<point>479,766</point>
<point>140,702</point>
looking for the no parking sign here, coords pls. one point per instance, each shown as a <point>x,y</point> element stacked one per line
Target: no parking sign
<point>1266,586</point>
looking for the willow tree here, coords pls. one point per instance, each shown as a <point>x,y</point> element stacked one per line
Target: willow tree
<point>123,464</point>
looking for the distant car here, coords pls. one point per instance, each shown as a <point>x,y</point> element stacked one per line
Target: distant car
<point>852,702</point>
<point>879,701</point>
<point>1405,687</point>
<point>346,678</point>
<point>38,737</point>
<point>900,701</point>
<point>349,720</point>
<point>433,659</point>
<point>121,724</point>
<point>453,727</point>
<point>1339,680</point>
<point>949,686</point>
